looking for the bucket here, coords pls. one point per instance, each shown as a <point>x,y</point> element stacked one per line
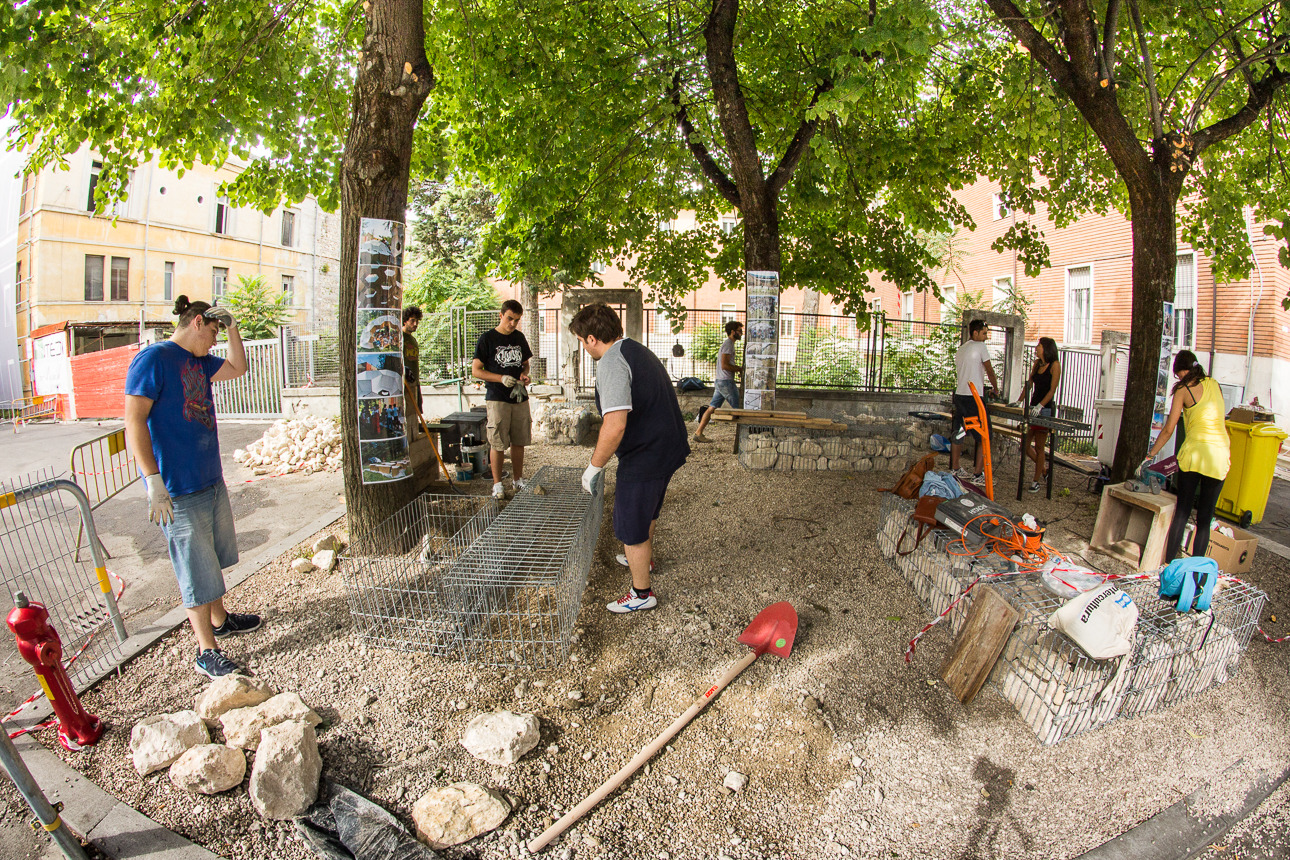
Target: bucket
<point>478,454</point>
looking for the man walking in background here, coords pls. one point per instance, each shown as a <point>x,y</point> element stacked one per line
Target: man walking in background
<point>643,425</point>
<point>502,362</point>
<point>724,388</point>
<point>973,363</point>
<point>170,431</point>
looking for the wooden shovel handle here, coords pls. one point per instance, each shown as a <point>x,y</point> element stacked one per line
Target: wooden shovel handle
<point>567,820</point>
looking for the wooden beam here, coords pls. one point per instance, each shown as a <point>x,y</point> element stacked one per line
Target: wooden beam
<point>987,628</point>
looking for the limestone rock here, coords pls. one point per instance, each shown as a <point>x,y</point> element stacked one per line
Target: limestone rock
<point>230,693</point>
<point>155,742</point>
<point>501,737</point>
<point>735,781</point>
<point>302,565</point>
<point>324,560</point>
<point>761,459</point>
<point>880,464</point>
<point>811,448</point>
<point>242,727</point>
<point>284,780</point>
<point>326,542</point>
<point>864,464</point>
<point>457,813</point>
<point>791,447</point>
<point>208,769</point>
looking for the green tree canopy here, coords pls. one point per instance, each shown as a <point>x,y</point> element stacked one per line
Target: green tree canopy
<point>259,313</point>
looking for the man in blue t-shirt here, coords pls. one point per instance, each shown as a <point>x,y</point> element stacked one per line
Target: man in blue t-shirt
<point>643,425</point>
<point>170,431</point>
<point>502,362</point>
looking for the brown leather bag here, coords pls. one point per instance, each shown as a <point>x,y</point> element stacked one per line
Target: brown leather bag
<point>924,516</point>
<point>912,481</point>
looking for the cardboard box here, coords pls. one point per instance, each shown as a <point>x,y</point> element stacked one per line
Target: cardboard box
<point>1233,554</point>
<point>1246,415</point>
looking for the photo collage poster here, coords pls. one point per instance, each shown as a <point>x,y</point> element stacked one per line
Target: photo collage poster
<point>761,340</point>
<point>1164,375</point>
<point>382,425</point>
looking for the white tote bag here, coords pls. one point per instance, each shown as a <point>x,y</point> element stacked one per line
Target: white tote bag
<point>1100,621</point>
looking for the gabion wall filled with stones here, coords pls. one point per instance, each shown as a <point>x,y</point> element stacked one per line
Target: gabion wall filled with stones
<point>868,444</point>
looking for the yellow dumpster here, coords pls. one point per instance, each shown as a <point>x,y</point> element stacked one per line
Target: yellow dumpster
<point>1254,459</point>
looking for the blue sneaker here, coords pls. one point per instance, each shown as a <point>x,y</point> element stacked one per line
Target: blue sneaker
<point>631,603</point>
<point>238,622</point>
<point>213,664</point>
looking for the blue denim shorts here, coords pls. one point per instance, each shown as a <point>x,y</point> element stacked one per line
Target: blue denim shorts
<point>202,543</point>
<point>725,391</point>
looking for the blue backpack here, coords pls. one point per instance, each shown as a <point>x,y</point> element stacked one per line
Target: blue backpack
<point>1189,581</point>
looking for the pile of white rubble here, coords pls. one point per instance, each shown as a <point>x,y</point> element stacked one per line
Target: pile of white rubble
<point>302,444</point>
<point>277,729</point>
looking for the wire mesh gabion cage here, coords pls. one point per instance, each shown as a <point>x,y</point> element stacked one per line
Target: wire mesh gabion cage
<point>454,577</point>
<point>396,576</point>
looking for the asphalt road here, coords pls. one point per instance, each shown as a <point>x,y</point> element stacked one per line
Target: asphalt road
<point>266,510</point>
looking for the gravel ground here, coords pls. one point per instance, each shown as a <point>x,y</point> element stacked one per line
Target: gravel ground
<point>848,749</point>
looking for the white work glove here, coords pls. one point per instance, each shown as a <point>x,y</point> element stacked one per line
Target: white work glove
<point>161,510</point>
<point>591,478</point>
<point>222,316</point>
<point>1035,409</point>
<point>509,381</point>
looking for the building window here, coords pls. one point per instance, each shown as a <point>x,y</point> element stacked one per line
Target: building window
<point>289,288</point>
<point>93,278</point>
<point>1185,300</point>
<point>597,267</point>
<point>998,208</point>
<point>787,321</point>
<point>96,167</point>
<point>288,229</point>
<point>24,201</point>
<point>541,320</point>
<point>876,304</point>
<point>728,313</point>
<point>1001,294</point>
<point>219,280</point>
<point>17,280</point>
<point>169,284</point>
<point>949,302</point>
<point>729,223</point>
<point>662,323</point>
<point>120,279</point>
<point>223,215</point>
<point>1079,305</point>
<point>668,226</point>
<point>907,306</point>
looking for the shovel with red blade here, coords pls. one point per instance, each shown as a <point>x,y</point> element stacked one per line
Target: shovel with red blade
<point>771,631</point>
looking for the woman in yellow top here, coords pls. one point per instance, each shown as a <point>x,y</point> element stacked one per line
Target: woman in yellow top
<point>1205,454</point>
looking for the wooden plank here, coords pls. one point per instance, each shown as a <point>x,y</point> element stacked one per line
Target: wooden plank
<point>809,424</point>
<point>987,628</point>
<point>769,413</point>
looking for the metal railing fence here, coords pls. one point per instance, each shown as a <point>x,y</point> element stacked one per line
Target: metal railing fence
<point>257,394</point>
<point>309,360</point>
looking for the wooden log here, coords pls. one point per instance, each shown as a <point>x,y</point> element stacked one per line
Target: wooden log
<point>987,628</point>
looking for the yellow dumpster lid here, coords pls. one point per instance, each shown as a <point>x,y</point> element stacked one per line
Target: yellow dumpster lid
<point>1268,430</point>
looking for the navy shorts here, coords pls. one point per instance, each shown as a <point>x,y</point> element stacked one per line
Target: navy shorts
<point>964,407</point>
<point>636,505</point>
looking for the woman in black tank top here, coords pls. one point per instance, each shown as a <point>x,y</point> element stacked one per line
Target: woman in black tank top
<point>1045,376</point>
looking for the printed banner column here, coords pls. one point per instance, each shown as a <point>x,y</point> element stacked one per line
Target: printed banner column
<point>382,426</point>
<point>761,343</point>
<point>1164,377</point>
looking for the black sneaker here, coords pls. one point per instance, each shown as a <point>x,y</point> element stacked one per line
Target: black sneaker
<point>238,622</point>
<point>213,664</point>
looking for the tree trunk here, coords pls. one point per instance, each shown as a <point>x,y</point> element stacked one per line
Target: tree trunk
<point>533,326</point>
<point>1155,247</point>
<point>394,78</point>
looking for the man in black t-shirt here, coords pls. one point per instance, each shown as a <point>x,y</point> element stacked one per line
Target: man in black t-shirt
<point>502,362</point>
<point>644,427</point>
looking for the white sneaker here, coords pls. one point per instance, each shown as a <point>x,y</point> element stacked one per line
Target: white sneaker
<point>632,603</point>
<point>499,491</point>
<point>520,483</point>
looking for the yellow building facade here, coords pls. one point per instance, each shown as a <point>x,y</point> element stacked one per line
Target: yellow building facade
<point>122,269</point>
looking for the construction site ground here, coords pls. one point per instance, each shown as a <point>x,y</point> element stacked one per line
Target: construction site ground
<point>848,749</point>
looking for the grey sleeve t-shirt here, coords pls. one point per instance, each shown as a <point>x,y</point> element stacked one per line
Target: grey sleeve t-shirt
<point>971,359</point>
<point>727,348</point>
<point>614,380</point>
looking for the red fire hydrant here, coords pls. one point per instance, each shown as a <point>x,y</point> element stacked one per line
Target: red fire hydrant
<point>40,646</point>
